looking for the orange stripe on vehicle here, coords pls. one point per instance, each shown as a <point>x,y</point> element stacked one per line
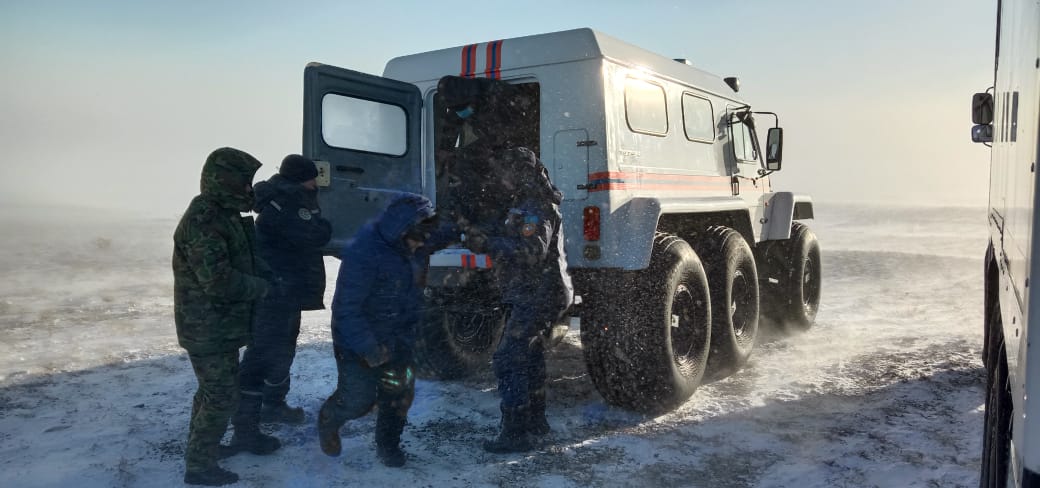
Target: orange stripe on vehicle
<point>469,61</point>
<point>617,180</point>
<point>618,175</point>
<point>493,60</point>
<point>660,186</point>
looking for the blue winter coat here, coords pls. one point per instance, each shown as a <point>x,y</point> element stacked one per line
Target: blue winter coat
<point>378,299</point>
<point>290,233</point>
<point>530,259</point>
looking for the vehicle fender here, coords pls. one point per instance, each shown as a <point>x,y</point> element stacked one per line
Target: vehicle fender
<point>639,219</point>
<point>782,208</point>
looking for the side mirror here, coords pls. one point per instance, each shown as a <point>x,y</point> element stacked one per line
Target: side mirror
<point>982,133</point>
<point>982,109</point>
<point>774,148</point>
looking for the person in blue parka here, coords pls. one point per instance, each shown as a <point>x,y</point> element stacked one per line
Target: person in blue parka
<point>532,270</point>
<point>290,234</point>
<point>375,311</point>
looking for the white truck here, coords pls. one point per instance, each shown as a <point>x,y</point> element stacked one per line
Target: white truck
<point>1007,117</point>
<point>675,238</point>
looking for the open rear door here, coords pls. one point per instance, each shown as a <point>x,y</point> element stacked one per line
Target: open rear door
<point>363,132</point>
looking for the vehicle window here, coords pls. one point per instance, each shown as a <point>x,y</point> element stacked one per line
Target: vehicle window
<point>698,118</point>
<point>364,125</point>
<point>743,148</point>
<point>645,107</point>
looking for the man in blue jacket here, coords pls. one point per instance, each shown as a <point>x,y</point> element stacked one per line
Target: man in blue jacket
<point>532,271</point>
<point>290,234</point>
<point>375,311</point>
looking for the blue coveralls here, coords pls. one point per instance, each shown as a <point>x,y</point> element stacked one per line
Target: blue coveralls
<point>532,269</point>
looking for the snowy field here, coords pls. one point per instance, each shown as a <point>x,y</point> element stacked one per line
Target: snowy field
<point>886,390</point>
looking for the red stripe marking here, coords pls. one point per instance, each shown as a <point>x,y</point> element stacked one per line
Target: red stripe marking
<point>614,175</point>
<point>462,68</point>
<point>662,186</point>
<point>498,60</point>
<point>488,59</point>
<point>493,60</point>
<point>677,182</point>
<point>469,61</point>
<point>651,186</point>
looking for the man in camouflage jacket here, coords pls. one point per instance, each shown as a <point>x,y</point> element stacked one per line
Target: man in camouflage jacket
<point>216,279</point>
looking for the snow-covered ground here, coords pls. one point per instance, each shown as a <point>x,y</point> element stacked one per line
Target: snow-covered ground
<point>886,390</point>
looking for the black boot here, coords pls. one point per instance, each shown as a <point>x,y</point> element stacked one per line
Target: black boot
<point>247,435</point>
<point>212,476</point>
<point>537,424</point>
<point>275,409</point>
<point>513,437</point>
<point>328,434</point>
<point>389,426</point>
<point>280,412</point>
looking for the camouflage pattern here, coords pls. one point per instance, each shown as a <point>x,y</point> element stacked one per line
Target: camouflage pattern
<point>216,278</point>
<point>214,402</point>
<point>216,273</point>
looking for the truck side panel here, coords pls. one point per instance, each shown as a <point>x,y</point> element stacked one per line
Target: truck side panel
<point>1012,216</point>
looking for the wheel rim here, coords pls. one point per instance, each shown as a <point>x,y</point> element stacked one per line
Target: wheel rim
<point>472,332</point>
<point>810,286</point>
<point>686,308</point>
<point>740,300</point>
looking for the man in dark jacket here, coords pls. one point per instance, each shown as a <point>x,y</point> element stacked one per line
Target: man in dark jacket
<point>375,311</point>
<point>216,278</point>
<point>532,270</point>
<point>290,233</point>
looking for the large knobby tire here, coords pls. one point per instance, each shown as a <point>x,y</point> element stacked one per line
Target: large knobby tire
<point>792,281</point>
<point>457,339</point>
<point>733,283</point>
<point>646,346</point>
<point>996,432</point>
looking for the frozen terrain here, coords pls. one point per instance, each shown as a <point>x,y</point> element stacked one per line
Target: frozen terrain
<point>886,390</point>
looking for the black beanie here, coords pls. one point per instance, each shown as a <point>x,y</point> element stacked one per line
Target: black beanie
<point>298,169</point>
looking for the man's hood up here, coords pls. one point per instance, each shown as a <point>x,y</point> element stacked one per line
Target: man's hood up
<point>225,175</point>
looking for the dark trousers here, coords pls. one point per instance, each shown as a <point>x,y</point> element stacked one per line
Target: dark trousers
<point>271,350</point>
<point>359,388</point>
<point>214,402</point>
<point>519,361</point>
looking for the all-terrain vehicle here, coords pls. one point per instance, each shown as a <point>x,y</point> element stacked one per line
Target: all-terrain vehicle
<point>677,243</point>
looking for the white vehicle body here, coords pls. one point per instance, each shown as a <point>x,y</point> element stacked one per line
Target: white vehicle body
<point>1013,362</point>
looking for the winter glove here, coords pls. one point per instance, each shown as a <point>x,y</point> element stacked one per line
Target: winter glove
<point>397,379</point>
<point>475,240</point>
<point>377,358</point>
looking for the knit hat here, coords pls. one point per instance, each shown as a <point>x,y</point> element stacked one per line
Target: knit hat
<point>298,169</point>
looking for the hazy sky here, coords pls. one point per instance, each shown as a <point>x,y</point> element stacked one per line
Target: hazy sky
<point>117,103</point>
